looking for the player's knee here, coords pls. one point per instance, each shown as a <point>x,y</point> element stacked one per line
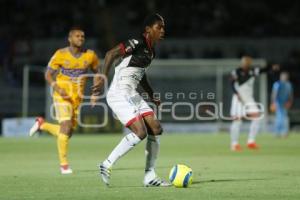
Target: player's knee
<point>157,130</point>
<point>140,132</point>
<point>254,116</point>
<point>67,127</point>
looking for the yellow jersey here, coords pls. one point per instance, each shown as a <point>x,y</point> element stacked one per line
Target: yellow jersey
<point>70,69</point>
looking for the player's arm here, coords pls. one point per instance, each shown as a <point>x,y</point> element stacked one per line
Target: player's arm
<point>97,78</point>
<point>50,78</point>
<point>267,69</point>
<point>110,57</point>
<point>290,101</point>
<point>234,84</point>
<point>50,75</point>
<point>146,86</point>
<point>123,49</point>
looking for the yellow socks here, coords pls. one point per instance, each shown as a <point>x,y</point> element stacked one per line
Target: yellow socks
<point>53,129</point>
<point>62,145</point>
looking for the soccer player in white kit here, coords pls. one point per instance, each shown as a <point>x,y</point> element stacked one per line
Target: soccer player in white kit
<point>133,57</point>
<point>243,103</point>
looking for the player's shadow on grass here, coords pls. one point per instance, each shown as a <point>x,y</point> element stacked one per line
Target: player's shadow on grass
<point>228,180</point>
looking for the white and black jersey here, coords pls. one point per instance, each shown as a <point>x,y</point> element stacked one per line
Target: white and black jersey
<point>122,95</point>
<point>243,81</point>
<point>137,56</point>
<point>243,84</point>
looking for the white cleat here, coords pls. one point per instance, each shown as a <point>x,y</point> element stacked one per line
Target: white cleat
<point>157,182</point>
<point>152,180</point>
<point>105,173</point>
<point>36,126</point>
<point>65,169</point>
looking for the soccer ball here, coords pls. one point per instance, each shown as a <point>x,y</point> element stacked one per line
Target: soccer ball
<point>181,176</point>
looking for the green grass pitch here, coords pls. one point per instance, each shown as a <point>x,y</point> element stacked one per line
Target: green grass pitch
<point>29,169</point>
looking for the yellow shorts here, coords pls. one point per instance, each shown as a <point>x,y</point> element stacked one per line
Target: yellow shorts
<point>66,110</point>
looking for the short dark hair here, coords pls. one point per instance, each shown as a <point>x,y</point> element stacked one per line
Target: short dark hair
<point>152,19</point>
<point>75,28</point>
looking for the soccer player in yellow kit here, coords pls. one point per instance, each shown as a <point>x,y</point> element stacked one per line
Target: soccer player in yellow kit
<point>64,75</point>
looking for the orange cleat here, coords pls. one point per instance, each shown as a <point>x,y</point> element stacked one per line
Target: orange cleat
<point>252,145</point>
<point>236,147</point>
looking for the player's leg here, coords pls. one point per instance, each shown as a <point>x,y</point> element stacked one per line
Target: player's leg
<point>235,133</point>
<point>65,133</point>
<point>236,114</point>
<point>252,112</point>
<point>41,125</point>
<point>278,120</point>
<point>286,123</point>
<point>282,117</point>
<point>253,130</point>
<point>138,133</point>
<point>154,130</point>
<point>66,114</point>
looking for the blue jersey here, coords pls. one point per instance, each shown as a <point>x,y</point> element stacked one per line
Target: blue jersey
<point>283,90</point>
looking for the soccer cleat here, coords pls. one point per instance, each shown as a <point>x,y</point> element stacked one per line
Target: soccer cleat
<point>157,182</point>
<point>152,180</point>
<point>65,169</point>
<point>236,147</point>
<point>105,173</point>
<point>252,145</point>
<point>36,126</point>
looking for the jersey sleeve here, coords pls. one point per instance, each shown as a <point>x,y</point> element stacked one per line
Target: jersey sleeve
<point>129,46</point>
<point>55,61</point>
<point>95,61</point>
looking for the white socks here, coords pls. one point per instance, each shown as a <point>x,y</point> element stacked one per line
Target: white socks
<point>152,149</point>
<point>254,128</point>
<point>126,144</point>
<point>235,131</point>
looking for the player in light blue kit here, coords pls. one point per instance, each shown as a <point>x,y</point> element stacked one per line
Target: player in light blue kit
<point>282,98</point>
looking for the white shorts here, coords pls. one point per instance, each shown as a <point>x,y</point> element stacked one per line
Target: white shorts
<point>127,108</point>
<point>239,109</point>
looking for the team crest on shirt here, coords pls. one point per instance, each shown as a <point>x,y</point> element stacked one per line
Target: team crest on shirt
<point>85,63</point>
<point>66,63</point>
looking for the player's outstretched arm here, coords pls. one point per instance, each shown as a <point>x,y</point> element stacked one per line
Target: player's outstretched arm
<point>269,69</point>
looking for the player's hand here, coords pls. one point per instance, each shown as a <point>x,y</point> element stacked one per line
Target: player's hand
<point>275,67</point>
<point>156,102</point>
<point>273,107</point>
<point>288,104</point>
<point>94,99</point>
<point>62,92</point>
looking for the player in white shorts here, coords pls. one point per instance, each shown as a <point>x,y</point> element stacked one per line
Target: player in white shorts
<point>243,104</point>
<point>133,57</point>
